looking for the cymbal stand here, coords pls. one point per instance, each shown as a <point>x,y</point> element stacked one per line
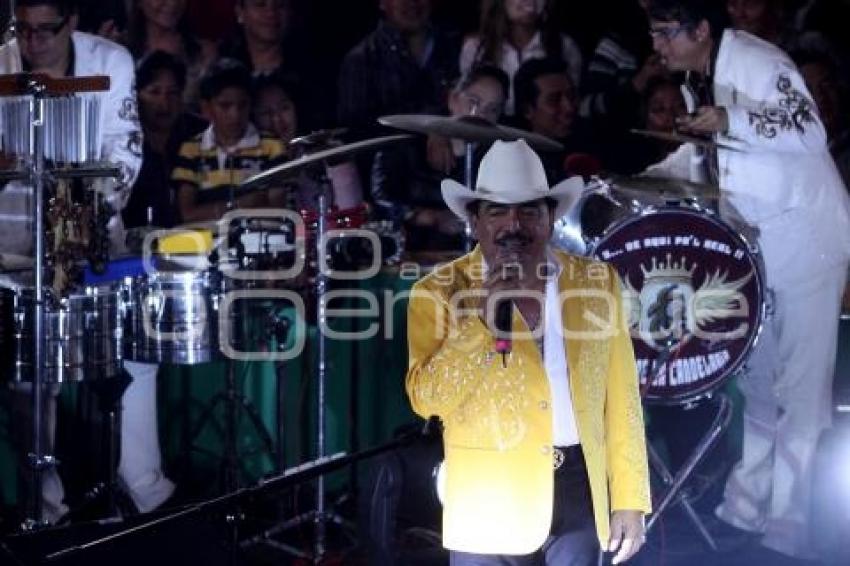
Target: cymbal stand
<point>232,402</point>
<point>320,516</point>
<point>468,159</point>
<point>321,319</point>
<point>38,461</point>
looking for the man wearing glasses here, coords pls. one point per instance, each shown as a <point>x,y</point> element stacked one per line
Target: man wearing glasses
<point>780,178</point>
<point>45,41</point>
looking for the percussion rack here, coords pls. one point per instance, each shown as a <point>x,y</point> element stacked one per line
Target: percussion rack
<point>36,168</point>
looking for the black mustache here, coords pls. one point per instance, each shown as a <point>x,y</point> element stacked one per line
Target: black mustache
<point>513,240</point>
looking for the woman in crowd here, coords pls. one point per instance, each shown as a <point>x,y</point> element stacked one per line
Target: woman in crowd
<point>160,80</point>
<point>661,104</point>
<point>265,42</point>
<point>161,25</point>
<point>513,31</point>
<point>406,179</point>
<point>276,111</point>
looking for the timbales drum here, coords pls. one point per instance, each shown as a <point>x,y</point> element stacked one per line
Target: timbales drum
<point>172,316</point>
<point>82,335</point>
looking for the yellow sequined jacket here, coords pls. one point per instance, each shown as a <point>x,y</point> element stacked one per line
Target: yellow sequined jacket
<point>498,422</point>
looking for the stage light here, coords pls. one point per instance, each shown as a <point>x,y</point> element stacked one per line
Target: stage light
<point>831,492</point>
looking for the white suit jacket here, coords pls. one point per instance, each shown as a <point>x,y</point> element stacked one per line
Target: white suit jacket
<point>121,141</point>
<point>782,181</point>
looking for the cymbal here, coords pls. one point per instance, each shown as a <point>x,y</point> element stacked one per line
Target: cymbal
<point>15,262</point>
<point>319,138</point>
<point>645,187</point>
<point>291,168</point>
<point>468,128</point>
<point>674,136</point>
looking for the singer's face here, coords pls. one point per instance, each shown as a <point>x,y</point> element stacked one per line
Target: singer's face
<point>521,231</point>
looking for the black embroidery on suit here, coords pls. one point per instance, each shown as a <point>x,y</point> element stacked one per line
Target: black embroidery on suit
<point>134,143</point>
<point>794,112</point>
<point>129,110</point>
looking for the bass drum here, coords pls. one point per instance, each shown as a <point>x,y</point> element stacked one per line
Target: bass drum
<point>693,293</point>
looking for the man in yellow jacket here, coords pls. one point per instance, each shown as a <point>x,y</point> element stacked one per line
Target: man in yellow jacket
<point>545,454</point>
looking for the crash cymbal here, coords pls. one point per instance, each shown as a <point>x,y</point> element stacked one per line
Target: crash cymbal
<point>291,168</point>
<point>320,138</point>
<point>645,188</point>
<point>14,262</point>
<point>682,138</point>
<point>468,128</point>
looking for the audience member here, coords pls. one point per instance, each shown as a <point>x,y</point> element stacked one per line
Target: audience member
<point>106,18</point>
<point>547,104</point>
<point>160,80</point>
<point>406,180</point>
<point>829,91</point>
<point>770,20</point>
<point>827,20</point>
<point>275,110</point>
<point>407,65</point>
<point>266,43</point>
<point>514,31</point>
<point>662,103</point>
<point>211,166</point>
<point>161,25</point>
<point>762,18</point>
<point>261,42</point>
<point>621,67</point>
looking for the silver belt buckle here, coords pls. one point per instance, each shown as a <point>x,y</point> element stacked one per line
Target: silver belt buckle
<point>557,457</point>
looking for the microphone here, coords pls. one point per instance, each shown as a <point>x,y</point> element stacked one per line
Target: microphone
<point>504,310</point>
<point>510,247</point>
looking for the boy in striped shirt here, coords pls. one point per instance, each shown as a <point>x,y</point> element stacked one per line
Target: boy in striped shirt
<point>211,166</point>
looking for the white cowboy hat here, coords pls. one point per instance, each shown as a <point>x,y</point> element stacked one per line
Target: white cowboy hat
<point>511,173</point>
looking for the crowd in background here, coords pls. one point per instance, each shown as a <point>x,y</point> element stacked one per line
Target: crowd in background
<point>582,73</point>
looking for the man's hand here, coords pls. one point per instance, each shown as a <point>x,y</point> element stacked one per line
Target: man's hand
<point>627,534</point>
<point>706,120</point>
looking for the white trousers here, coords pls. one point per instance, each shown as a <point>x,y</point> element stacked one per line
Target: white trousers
<point>788,393</point>
<point>140,465</point>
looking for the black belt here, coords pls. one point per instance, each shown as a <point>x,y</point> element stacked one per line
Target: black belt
<point>567,455</point>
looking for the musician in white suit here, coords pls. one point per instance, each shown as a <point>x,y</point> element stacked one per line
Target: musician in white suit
<point>783,182</point>
<point>46,42</point>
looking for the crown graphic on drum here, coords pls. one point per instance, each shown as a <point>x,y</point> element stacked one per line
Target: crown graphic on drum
<point>669,270</point>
